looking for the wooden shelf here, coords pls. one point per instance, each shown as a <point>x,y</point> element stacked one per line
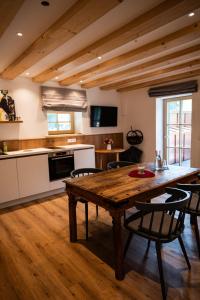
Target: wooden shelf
<point>9,122</point>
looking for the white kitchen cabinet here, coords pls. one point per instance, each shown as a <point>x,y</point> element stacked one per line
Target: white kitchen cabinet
<point>8,180</point>
<point>33,175</point>
<point>84,158</point>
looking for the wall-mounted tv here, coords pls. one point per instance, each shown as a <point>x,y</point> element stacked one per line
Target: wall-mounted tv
<point>103,116</point>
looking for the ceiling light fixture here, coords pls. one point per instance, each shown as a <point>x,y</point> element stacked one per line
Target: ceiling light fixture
<point>27,73</point>
<point>45,3</point>
<point>191,14</point>
<point>99,57</point>
<point>56,77</point>
<point>19,34</point>
<point>81,81</point>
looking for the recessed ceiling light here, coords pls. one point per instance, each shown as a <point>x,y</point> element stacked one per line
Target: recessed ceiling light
<point>81,81</point>
<point>19,34</point>
<point>191,14</point>
<point>99,57</point>
<point>56,77</point>
<point>27,73</point>
<point>45,3</point>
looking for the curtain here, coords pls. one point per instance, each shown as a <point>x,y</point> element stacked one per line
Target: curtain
<point>174,89</point>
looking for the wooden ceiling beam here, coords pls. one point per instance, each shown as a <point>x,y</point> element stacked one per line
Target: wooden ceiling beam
<point>160,15</point>
<point>180,37</point>
<point>185,75</point>
<point>9,9</point>
<point>132,80</point>
<point>75,19</point>
<point>113,78</point>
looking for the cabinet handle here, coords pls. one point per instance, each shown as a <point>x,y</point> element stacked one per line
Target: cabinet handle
<point>57,158</point>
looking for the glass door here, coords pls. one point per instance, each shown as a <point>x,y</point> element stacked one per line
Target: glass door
<point>178,118</point>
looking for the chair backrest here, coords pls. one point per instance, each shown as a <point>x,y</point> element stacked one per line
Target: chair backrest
<point>193,205</point>
<point>161,216</point>
<point>85,172</point>
<point>118,164</point>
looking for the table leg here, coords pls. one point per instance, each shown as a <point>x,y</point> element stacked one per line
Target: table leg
<point>117,156</point>
<point>118,245</point>
<point>101,161</point>
<point>72,217</point>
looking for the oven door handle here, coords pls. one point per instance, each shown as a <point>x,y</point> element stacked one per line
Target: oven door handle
<point>61,157</point>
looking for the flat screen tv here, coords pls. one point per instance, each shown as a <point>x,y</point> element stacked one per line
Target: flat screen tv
<point>103,116</point>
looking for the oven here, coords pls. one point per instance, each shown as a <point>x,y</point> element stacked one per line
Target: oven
<point>60,164</point>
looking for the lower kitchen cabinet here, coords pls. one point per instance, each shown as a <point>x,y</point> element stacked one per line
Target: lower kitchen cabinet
<point>84,158</point>
<point>29,175</point>
<point>33,175</point>
<point>8,180</point>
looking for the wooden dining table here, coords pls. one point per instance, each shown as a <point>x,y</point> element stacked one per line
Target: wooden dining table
<point>116,191</point>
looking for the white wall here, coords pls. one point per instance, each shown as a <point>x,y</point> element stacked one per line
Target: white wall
<point>139,110</point>
<point>27,101</point>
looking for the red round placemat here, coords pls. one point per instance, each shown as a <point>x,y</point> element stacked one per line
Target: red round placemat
<point>146,174</point>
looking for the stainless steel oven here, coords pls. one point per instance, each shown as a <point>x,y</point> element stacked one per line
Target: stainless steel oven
<point>60,164</point>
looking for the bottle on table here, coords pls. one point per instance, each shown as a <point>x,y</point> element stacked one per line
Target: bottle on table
<point>158,161</point>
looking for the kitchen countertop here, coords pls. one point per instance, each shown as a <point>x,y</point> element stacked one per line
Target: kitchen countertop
<point>36,151</point>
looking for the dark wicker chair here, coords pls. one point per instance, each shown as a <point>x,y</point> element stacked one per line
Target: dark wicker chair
<point>118,164</point>
<point>85,172</point>
<point>157,222</point>
<point>193,207</point>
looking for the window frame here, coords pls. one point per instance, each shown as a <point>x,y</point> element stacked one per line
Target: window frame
<point>54,132</point>
<point>165,101</point>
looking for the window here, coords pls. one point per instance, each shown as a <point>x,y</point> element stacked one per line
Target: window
<point>178,127</point>
<point>60,122</point>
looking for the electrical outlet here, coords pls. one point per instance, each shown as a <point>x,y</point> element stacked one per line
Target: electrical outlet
<point>71,140</point>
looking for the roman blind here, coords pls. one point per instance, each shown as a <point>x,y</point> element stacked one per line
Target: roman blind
<point>174,89</point>
<point>63,99</point>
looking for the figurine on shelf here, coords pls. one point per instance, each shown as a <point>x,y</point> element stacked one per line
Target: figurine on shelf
<point>8,105</point>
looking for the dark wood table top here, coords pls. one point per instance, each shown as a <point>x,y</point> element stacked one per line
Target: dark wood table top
<point>115,186</point>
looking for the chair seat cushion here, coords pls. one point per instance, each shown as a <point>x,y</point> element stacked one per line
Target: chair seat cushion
<point>135,224</point>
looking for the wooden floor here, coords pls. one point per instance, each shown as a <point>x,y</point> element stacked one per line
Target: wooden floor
<point>38,262</point>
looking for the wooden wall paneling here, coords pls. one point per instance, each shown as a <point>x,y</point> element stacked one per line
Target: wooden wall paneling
<point>180,67</point>
<point>183,36</point>
<point>75,19</point>
<point>158,16</point>
<point>33,143</point>
<point>189,74</point>
<point>12,145</point>
<point>9,9</point>
<point>97,140</point>
<point>158,62</point>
